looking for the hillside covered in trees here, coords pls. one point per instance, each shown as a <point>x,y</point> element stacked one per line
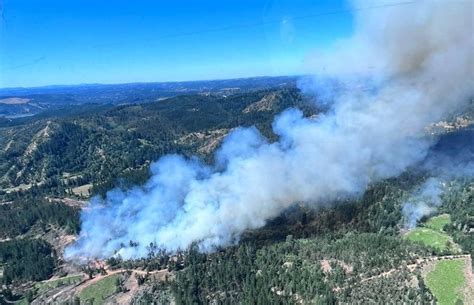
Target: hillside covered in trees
<point>98,147</point>
<point>351,251</point>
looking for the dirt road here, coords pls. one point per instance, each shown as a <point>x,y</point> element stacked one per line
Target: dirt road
<point>126,297</point>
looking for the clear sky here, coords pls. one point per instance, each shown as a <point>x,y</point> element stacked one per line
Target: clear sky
<point>46,42</point>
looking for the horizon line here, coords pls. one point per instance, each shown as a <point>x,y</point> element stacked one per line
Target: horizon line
<point>149,82</point>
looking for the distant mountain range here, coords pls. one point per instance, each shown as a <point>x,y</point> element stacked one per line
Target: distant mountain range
<point>20,102</point>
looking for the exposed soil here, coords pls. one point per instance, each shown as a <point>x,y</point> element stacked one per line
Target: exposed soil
<point>326,266</point>
<point>14,101</point>
<point>469,289</point>
<point>265,104</point>
<point>64,293</point>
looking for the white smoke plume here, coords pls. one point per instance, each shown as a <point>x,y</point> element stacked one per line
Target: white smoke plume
<point>450,162</point>
<point>423,202</point>
<point>416,64</point>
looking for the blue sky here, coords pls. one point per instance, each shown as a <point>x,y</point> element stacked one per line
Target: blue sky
<point>45,42</point>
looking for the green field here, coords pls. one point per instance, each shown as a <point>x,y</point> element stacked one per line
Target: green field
<point>48,285</point>
<point>431,234</point>
<point>429,237</point>
<point>447,280</point>
<point>99,291</point>
<point>44,286</point>
<point>437,223</point>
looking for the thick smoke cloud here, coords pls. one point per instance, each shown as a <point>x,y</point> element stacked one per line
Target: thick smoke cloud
<point>405,67</point>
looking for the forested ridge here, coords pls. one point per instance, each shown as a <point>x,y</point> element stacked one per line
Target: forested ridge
<point>102,146</point>
<point>26,260</point>
<point>19,216</point>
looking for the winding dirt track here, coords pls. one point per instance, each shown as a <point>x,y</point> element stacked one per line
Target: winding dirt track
<point>76,289</point>
<point>132,285</point>
<point>420,262</point>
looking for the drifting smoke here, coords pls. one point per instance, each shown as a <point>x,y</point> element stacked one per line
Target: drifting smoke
<point>450,160</point>
<point>423,202</point>
<point>417,65</point>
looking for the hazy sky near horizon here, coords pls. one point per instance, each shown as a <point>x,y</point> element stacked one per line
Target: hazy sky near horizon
<point>88,41</point>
